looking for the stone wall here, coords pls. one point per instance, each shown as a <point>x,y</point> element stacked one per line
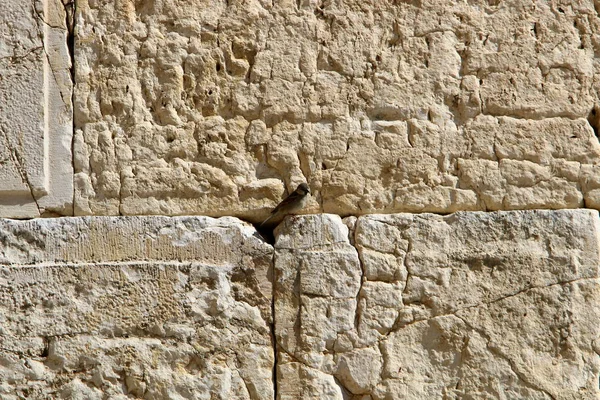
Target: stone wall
<point>155,308</point>
<point>452,246</point>
<point>466,306</point>
<point>470,305</point>
<point>214,107</point>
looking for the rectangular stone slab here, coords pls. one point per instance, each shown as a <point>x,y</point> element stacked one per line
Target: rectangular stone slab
<point>469,305</point>
<point>221,108</point>
<point>36,111</point>
<point>150,307</point>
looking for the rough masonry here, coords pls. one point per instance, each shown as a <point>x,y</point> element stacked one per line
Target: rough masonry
<point>465,306</point>
<point>470,305</point>
<point>216,108</point>
<point>150,308</point>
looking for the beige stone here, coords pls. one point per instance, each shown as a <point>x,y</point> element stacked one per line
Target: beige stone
<point>36,113</point>
<point>150,307</point>
<point>469,305</point>
<point>220,108</point>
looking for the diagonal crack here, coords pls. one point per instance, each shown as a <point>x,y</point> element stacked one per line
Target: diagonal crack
<point>483,304</point>
<point>40,19</point>
<point>19,163</point>
<point>514,368</point>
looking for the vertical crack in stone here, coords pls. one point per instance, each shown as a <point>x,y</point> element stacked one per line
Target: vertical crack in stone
<point>46,350</point>
<point>272,327</point>
<point>298,323</point>
<point>70,25</point>
<point>357,311</point>
<point>408,274</point>
<point>121,193</point>
<point>481,100</point>
<point>274,341</point>
<point>594,120</point>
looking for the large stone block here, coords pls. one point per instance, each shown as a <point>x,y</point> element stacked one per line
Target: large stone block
<point>36,113</point>
<point>153,308</point>
<point>470,305</point>
<point>218,107</point>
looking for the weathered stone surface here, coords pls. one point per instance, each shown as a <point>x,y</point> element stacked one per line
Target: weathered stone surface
<point>36,113</point>
<point>470,305</point>
<point>207,107</point>
<point>152,308</point>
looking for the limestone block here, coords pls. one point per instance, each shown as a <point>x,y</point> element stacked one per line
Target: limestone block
<point>219,108</point>
<point>36,121</point>
<point>469,305</point>
<point>154,307</point>
<point>533,164</point>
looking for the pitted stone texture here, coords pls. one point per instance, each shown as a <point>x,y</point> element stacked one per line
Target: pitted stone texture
<point>470,305</point>
<point>153,307</point>
<point>382,107</point>
<point>36,113</point>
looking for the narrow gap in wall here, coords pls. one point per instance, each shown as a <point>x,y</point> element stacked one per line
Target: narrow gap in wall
<point>274,373</point>
<point>594,120</point>
<point>274,338</point>
<point>70,24</point>
<point>266,233</point>
<point>69,6</point>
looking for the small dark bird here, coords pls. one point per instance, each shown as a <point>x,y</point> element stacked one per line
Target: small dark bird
<point>294,202</point>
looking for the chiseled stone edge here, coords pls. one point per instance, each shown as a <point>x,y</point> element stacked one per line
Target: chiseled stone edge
<point>115,239</point>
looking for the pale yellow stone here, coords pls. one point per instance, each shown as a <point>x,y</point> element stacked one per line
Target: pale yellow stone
<point>36,109</point>
<point>418,107</point>
<point>152,307</point>
<point>472,305</point>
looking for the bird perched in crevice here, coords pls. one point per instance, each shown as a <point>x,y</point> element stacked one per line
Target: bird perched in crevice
<point>291,204</point>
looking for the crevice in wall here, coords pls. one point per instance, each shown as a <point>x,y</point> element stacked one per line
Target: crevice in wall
<point>275,352</point>
<point>359,309</point>
<point>70,25</point>
<point>346,393</point>
<point>272,327</point>
<point>594,120</point>
<point>69,6</point>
